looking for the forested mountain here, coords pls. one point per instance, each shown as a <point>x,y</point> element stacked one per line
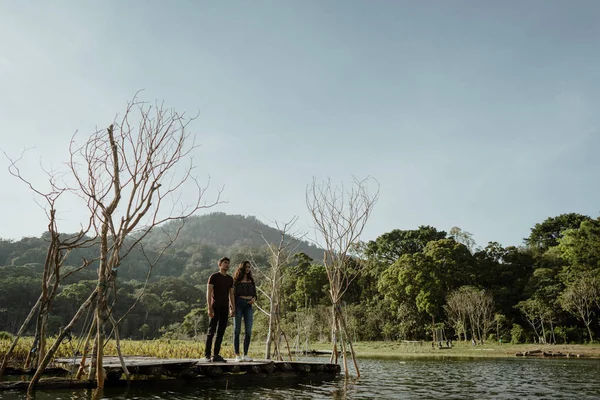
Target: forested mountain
<point>177,279</point>
<point>199,244</point>
<point>229,233</point>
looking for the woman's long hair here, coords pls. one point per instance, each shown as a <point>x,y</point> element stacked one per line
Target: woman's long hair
<point>241,271</point>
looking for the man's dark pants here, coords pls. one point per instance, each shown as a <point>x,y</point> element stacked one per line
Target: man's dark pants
<point>217,324</point>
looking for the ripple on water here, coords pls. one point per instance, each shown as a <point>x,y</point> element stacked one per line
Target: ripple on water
<point>393,379</point>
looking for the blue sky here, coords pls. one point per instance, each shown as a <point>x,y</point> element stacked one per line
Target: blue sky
<point>477,114</point>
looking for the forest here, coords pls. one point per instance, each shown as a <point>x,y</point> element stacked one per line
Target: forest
<point>409,284</point>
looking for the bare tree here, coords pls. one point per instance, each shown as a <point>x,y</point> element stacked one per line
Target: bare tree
<point>534,312</point>
<point>457,312</point>
<point>279,255</point>
<point>340,216</point>
<point>463,237</point>
<point>484,310</point>
<point>59,247</point>
<point>580,297</point>
<point>468,303</point>
<point>126,174</point>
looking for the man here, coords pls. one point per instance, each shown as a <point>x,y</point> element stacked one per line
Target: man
<point>219,298</point>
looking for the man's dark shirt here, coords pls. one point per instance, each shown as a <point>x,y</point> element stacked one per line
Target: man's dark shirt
<point>221,285</point>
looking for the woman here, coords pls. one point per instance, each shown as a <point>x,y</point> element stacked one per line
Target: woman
<point>244,292</point>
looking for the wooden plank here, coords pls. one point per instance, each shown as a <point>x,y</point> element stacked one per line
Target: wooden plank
<point>191,367</point>
<point>47,383</point>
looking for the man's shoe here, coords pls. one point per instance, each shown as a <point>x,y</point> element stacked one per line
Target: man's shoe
<point>246,358</point>
<point>207,359</point>
<point>218,358</point>
<point>239,359</point>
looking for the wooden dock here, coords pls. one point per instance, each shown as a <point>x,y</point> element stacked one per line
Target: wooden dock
<point>143,369</point>
<point>190,368</point>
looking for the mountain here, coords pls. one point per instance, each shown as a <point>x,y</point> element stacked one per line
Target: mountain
<point>200,243</point>
<point>227,232</point>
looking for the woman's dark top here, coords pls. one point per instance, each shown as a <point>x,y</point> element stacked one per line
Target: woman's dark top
<point>244,289</point>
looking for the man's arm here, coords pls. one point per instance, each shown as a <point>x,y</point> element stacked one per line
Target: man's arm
<point>231,302</point>
<point>209,292</point>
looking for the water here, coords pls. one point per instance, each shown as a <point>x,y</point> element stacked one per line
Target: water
<point>388,379</point>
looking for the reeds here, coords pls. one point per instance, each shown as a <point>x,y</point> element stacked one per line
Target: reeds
<point>161,348</point>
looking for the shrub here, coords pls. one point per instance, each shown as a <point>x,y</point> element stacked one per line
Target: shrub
<point>516,334</point>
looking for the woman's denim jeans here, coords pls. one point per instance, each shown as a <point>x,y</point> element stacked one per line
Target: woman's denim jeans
<point>242,309</point>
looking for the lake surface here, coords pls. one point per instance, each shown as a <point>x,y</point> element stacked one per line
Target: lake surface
<point>391,379</point>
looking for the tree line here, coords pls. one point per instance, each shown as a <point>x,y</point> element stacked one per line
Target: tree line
<point>421,284</point>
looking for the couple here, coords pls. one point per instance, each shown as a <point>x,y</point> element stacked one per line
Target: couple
<point>236,294</point>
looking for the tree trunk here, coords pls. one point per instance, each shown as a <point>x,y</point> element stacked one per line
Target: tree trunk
<point>17,337</point>
<point>40,370</point>
<point>587,325</point>
<point>543,330</point>
<point>100,320</point>
<point>345,330</point>
<point>86,349</point>
<point>343,338</point>
<point>334,335</point>
<point>270,332</point>
<point>118,345</point>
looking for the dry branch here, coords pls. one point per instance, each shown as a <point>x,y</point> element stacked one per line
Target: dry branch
<point>340,216</point>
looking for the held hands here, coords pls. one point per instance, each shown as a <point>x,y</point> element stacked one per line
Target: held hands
<point>231,312</point>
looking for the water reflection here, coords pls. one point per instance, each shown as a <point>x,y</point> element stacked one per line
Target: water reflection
<point>385,379</point>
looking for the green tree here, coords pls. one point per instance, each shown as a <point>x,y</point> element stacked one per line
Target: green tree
<point>505,272</point>
<point>195,321</point>
<point>547,234</point>
<point>427,277</point>
<point>144,330</point>
<point>390,246</point>
<point>580,248</point>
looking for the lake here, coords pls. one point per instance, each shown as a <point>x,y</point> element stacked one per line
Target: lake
<point>414,378</point>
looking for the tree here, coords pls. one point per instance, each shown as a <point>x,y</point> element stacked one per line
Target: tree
<point>125,174</point>
<point>535,312</point>
<point>504,272</point>
<point>340,217</point>
<point>144,330</point>
<point>280,255</point>
<point>457,310</point>
<point>469,304</point>
<point>547,234</point>
<point>580,248</point>
<point>484,312</point>
<point>426,278</point>
<point>580,297</point>
<point>463,237</point>
<point>390,246</point>
<point>57,251</point>
<point>195,321</point>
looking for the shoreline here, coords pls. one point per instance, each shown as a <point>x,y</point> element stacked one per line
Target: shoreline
<point>465,350</point>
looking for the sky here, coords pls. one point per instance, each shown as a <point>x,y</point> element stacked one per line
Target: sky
<point>476,114</point>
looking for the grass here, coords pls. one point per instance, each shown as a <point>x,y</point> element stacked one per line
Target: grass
<point>151,348</point>
<point>489,350</point>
